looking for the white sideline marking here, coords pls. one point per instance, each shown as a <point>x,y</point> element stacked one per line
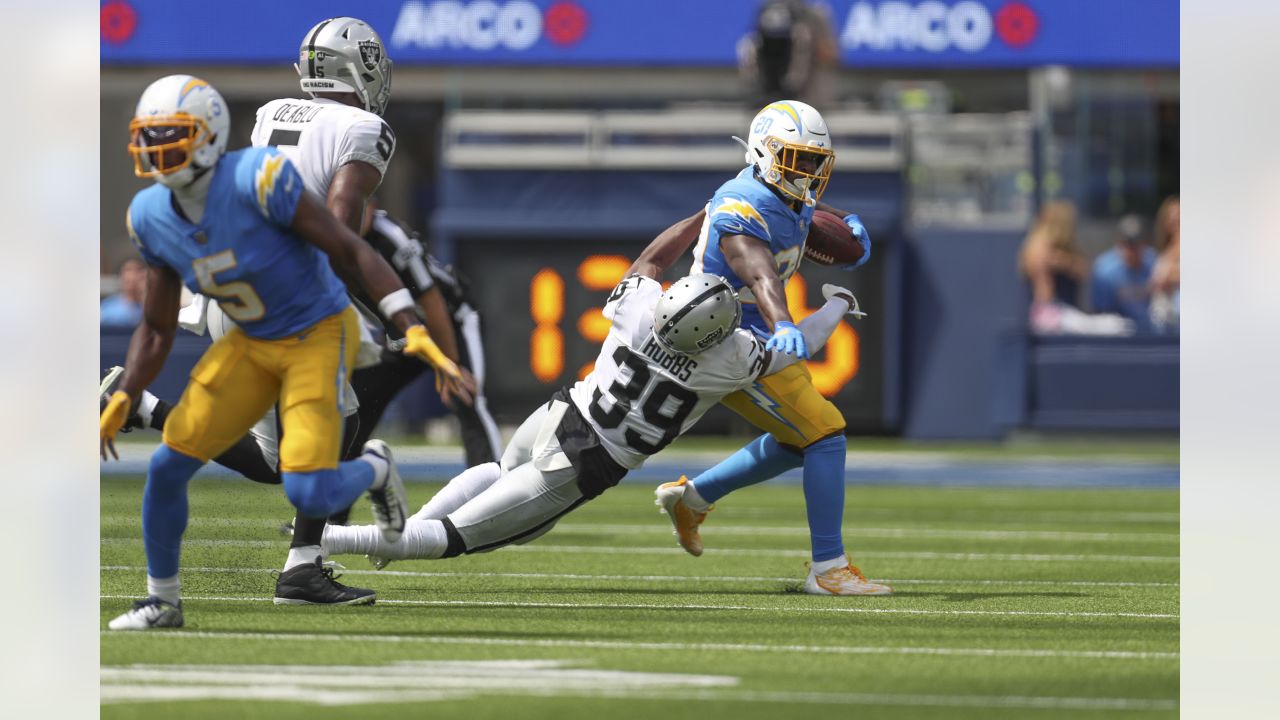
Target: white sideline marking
<point>429,681</point>
<point>754,530</point>
<point>366,684</point>
<point>673,646</point>
<point>666,578</point>
<point>608,550</point>
<point>691,606</point>
<point>885,699</point>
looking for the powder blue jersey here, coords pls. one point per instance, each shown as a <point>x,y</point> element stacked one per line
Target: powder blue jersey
<point>746,206</point>
<point>242,252</point>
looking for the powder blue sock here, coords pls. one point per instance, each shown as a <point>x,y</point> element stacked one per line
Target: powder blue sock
<point>164,509</point>
<point>761,459</point>
<point>824,496</point>
<point>321,493</point>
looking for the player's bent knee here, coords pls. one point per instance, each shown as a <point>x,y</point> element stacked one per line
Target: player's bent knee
<point>305,491</point>
<point>833,442</point>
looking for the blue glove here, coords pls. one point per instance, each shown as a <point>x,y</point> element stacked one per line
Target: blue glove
<point>862,236</point>
<point>788,339</point>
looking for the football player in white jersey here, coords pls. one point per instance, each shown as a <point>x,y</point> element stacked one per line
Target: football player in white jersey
<point>667,359</point>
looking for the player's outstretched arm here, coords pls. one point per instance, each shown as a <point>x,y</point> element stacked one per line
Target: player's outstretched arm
<point>663,251</point>
<point>440,328</point>
<point>817,328</point>
<point>751,260</point>
<point>154,335</point>
<point>148,349</point>
<point>314,223</point>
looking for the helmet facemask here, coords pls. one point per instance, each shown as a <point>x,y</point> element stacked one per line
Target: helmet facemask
<point>790,171</point>
<point>163,146</point>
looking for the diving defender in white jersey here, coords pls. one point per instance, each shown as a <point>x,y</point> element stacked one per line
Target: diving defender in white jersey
<point>667,359</point>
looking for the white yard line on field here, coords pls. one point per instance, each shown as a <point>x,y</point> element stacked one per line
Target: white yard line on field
<point>795,531</point>
<point>691,606</point>
<point>885,699</point>
<point>668,578</point>
<point>670,646</point>
<point>612,550</point>
<point>662,527</point>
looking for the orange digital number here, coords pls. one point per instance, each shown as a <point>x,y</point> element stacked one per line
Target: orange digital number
<point>546,346</point>
<point>601,273</point>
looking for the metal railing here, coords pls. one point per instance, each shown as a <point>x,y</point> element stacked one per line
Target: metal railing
<point>675,140</point>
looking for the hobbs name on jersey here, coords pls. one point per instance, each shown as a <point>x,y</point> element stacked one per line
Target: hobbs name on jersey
<point>296,113</point>
<point>680,366</point>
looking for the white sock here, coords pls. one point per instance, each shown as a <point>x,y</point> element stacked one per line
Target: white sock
<point>167,589</point>
<point>146,406</point>
<point>422,540</point>
<point>381,469</point>
<point>693,500</point>
<point>304,555</point>
<point>821,566</point>
<point>470,483</point>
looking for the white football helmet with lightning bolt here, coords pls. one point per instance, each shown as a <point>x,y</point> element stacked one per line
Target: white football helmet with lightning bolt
<point>790,147</point>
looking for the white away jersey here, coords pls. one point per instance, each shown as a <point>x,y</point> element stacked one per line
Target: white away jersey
<point>639,397</point>
<point>320,136</point>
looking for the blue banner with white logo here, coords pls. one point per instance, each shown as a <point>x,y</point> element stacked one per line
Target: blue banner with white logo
<point>943,34</point>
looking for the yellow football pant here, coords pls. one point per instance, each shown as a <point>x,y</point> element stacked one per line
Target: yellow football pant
<point>788,406</point>
<point>239,378</point>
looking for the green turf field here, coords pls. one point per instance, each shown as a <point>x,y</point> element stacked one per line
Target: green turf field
<point>1008,604</point>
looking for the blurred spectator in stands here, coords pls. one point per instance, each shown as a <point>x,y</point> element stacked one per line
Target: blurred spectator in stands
<point>791,54</point>
<point>1167,224</point>
<point>1121,277</point>
<point>1054,267</point>
<point>124,309</point>
<point>1166,277</point>
<point>1050,258</point>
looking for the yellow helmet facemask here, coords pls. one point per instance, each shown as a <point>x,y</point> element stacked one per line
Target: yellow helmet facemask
<point>786,174</point>
<point>150,160</point>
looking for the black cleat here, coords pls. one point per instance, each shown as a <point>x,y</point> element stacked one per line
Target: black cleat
<point>110,383</point>
<point>315,585</point>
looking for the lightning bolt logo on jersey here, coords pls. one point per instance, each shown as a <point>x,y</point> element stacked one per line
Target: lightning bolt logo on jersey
<point>746,206</point>
<point>242,252</point>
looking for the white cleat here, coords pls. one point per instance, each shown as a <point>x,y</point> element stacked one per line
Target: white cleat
<point>149,613</point>
<point>844,580</point>
<point>390,507</point>
<point>378,561</point>
<point>670,497</point>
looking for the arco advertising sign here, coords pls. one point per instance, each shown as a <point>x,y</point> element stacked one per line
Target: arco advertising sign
<point>871,33</point>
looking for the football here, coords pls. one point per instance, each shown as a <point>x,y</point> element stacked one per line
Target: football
<point>830,241</point>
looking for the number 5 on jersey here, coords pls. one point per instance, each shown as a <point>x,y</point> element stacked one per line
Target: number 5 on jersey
<point>237,299</point>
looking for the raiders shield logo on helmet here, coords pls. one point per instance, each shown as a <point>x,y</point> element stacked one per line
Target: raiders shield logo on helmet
<point>370,53</point>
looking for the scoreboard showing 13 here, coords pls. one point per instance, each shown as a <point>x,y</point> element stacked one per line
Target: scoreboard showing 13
<point>541,302</point>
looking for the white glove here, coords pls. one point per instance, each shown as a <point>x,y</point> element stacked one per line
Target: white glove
<point>829,291</point>
<point>192,317</point>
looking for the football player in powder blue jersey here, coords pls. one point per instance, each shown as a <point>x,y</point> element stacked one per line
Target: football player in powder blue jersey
<point>753,234</point>
<point>239,227</point>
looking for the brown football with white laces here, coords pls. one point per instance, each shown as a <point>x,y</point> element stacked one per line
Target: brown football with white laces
<point>830,241</point>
